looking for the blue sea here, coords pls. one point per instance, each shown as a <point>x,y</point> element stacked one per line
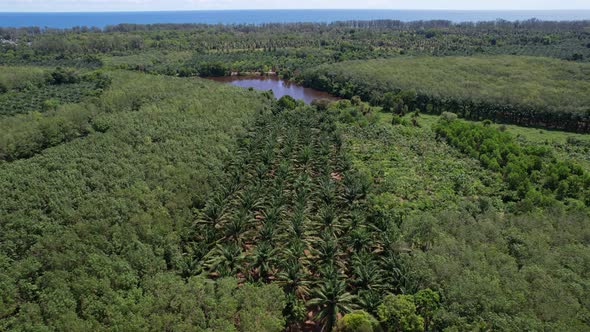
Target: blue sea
<point>68,20</point>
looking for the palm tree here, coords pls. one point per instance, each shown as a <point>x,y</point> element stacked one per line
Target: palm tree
<point>366,273</point>
<point>327,190</point>
<point>355,187</point>
<point>215,211</point>
<point>327,249</point>
<point>225,259</point>
<point>260,170</point>
<point>233,183</point>
<point>386,231</point>
<point>267,233</point>
<point>235,228</point>
<point>278,197</point>
<point>343,164</point>
<point>273,213</point>
<point>306,156</point>
<point>293,278</point>
<point>369,300</point>
<point>397,274</point>
<point>359,239</point>
<point>190,263</point>
<point>268,154</point>
<point>248,199</point>
<point>302,187</point>
<point>282,171</point>
<point>328,220</point>
<point>263,259</point>
<point>297,227</point>
<point>331,299</point>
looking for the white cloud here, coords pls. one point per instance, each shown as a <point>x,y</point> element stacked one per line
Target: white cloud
<point>132,5</point>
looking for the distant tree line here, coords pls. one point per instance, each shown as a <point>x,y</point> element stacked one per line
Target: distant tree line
<point>334,42</point>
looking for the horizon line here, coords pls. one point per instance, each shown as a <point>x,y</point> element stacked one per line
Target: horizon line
<point>289,9</point>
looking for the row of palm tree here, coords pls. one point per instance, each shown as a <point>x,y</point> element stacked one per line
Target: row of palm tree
<point>291,210</point>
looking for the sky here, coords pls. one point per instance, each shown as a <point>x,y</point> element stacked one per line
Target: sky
<point>149,5</point>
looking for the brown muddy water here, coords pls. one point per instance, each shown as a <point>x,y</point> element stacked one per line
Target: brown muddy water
<point>278,86</point>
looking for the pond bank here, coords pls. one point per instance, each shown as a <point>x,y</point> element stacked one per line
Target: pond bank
<point>280,87</point>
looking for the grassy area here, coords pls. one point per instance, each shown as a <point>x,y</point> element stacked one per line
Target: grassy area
<point>566,145</point>
<point>533,135</point>
<point>573,146</point>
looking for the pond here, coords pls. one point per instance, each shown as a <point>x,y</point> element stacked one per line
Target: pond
<point>278,86</point>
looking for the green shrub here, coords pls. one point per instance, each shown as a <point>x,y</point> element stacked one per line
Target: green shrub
<point>286,103</point>
<point>322,104</point>
<point>50,105</point>
<point>63,76</point>
<point>398,313</point>
<point>427,302</point>
<point>448,116</point>
<point>344,103</point>
<point>358,321</point>
<point>398,120</point>
<point>356,100</point>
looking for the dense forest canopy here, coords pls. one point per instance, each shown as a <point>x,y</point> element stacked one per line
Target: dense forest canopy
<point>92,228</point>
<point>137,196</point>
